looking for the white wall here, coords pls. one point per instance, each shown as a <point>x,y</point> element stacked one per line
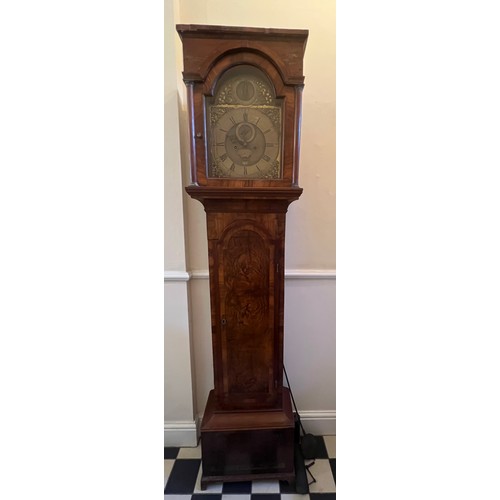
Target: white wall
<point>179,404</point>
<point>310,238</point>
<point>311,220</point>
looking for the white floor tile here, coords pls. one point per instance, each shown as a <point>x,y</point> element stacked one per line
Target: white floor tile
<point>294,496</point>
<point>235,497</point>
<point>322,471</point>
<point>331,444</point>
<point>261,486</point>
<point>190,452</point>
<point>168,464</point>
<point>177,497</point>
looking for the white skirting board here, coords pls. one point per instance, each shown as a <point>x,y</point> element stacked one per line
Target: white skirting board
<point>320,423</point>
<point>184,434</point>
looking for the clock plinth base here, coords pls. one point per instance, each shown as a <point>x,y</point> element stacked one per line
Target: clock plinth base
<point>247,445</point>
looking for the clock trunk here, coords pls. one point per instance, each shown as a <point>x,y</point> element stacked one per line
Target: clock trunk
<point>246,256</point>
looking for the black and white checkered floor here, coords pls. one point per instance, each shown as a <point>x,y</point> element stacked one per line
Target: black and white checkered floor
<point>183,475</point>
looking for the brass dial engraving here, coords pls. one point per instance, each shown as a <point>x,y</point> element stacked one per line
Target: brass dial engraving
<point>244,127</point>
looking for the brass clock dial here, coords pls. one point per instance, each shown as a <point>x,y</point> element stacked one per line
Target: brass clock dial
<point>245,143</point>
<point>244,128</point>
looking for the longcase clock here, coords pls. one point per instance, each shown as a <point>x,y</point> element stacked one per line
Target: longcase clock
<point>244,89</point>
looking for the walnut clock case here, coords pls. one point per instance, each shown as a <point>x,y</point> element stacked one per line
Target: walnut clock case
<point>244,89</point>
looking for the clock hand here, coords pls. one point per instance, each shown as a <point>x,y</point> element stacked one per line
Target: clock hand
<point>245,132</point>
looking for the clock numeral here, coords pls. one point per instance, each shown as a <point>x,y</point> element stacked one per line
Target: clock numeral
<point>245,172</point>
<point>266,158</point>
<point>222,130</point>
<point>219,143</point>
<point>267,131</point>
<point>223,157</point>
<point>257,121</point>
<point>270,144</point>
<point>258,168</point>
<point>233,121</point>
<point>232,167</point>
<point>245,116</point>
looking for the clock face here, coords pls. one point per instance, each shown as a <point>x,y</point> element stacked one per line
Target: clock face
<point>244,128</point>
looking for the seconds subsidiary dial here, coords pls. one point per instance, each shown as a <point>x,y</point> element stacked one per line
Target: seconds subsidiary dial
<point>245,143</point>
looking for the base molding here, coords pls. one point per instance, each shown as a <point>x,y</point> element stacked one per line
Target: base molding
<point>320,423</point>
<point>317,422</point>
<point>245,445</point>
<point>182,434</point>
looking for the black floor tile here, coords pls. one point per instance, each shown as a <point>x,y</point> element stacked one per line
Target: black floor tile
<point>170,453</point>
<point>206,496</point>
<point>332,465</point>
<point>322,496</point>
<point>182,479</point>
<point>321,451</point>
<point>286,487</point>
<point>238,487</point>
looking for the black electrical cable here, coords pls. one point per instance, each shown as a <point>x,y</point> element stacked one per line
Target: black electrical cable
<point>308,443</point>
